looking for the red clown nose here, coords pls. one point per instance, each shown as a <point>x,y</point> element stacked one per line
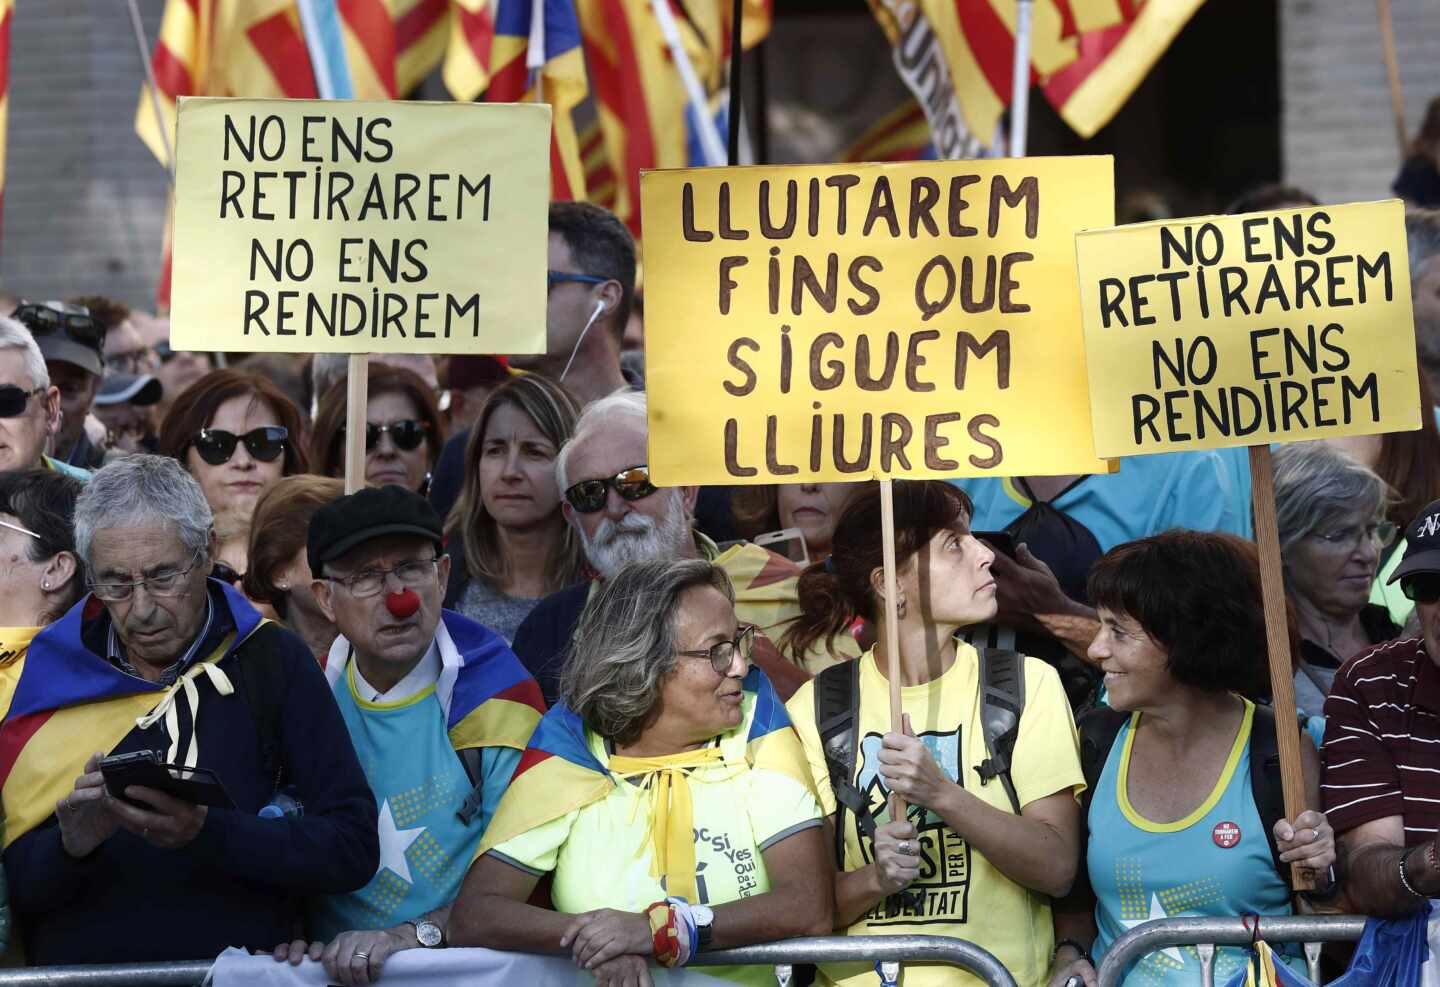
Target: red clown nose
<point>403,603</point>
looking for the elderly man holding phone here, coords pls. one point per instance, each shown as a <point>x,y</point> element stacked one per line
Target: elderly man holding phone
<point>223,785</point>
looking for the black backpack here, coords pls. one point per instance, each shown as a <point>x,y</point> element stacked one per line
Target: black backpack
<point>1100,726</point>
<point>837,716</point>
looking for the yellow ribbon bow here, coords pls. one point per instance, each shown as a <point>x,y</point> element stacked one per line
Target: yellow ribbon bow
<point>672,814</point>
<point>166,708</point>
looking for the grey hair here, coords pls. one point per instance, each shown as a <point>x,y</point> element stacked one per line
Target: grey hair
<point>14,336</point>
<point>1317,484</point>
<point>143,491</point>
<point>623,403</point>
<point>625,642</point>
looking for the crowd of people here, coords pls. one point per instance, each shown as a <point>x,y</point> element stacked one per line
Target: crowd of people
<point>511,693</point>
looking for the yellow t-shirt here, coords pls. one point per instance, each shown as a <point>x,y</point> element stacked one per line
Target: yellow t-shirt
<point>959,893</point>
<point>601,854</point>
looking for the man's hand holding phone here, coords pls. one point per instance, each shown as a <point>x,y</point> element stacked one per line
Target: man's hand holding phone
<point>85,815</point>
<point>169,823</point>
<point>90,814</point>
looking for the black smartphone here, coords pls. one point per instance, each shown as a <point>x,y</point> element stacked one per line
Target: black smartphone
<point>198,786</point>
<point>998,540</point>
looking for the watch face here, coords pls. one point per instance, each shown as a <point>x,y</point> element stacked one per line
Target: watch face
<point>429,934</point>
<point>703,915</point>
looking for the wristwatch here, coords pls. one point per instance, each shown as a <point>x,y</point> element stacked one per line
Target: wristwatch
<point>428,934</point>
<point>704,925</point>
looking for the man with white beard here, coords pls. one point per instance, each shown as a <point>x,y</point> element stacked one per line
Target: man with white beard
<point>621,518</point>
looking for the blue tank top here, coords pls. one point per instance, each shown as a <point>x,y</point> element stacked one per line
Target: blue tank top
<point>1214,862</point>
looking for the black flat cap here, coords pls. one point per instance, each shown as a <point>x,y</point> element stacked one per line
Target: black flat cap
<point>366,514</point>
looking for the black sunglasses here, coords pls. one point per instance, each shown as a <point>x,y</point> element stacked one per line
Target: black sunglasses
<point>14,400</point>
<point>43,318</point>
<point>1423,587</point>
<point>407,434</point>
<point>216,446</point>
<point>631,483</point>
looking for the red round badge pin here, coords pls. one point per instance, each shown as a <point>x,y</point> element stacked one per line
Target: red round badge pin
<point>1225,835</point>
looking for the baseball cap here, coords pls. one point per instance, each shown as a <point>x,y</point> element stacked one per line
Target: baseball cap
<point>367,514</point>
<point>64,332</point>
<point>138,389</point>
<point>1422,543</point>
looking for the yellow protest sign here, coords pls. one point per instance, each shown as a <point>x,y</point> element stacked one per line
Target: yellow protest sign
<point>355,226</point>
<point>880,320</point>
<point>1244,330</point>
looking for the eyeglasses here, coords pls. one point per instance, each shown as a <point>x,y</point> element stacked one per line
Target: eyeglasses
<point>14,400</point>
<point>631,483</point>
<point>1382,533</point>
<point>368,582</point>
<point>552,278</point>
<point>406,434</point>
<point>216,446</point>
<point>170,583</point>
<point>722,655</point>
<point>42,318</point>
<point>1423,587</point>
<point>128,362</point>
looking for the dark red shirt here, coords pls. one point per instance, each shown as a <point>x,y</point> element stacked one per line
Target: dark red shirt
<point>1381,755</point>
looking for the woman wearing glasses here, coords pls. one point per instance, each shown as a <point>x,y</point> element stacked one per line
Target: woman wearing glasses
<point>675,811</point>
<point>1331,515</point>
<point>403,430</point>
<point>968,859</point>
<point>509,544</point>
<point>237,434</point>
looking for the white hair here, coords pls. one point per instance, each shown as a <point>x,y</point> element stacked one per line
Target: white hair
<point>141,491</point>
<point>596,416</point>
<point>14,336</point>
<point>637,537</point>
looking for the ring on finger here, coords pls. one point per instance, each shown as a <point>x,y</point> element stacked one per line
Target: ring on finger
<point>903,846</point>
<point>361,955</point>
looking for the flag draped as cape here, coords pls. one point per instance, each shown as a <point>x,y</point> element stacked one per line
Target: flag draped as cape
<point>69,703</point>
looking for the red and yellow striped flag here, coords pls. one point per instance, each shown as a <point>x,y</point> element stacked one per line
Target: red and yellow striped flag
<point>1087,55</point>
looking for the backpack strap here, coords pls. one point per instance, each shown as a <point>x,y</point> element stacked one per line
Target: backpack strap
<point>1265,784</point>
<point>265,686</point>
<point>837,717</point>
<point>1002,701</point>
<point>472,760</point>
<point>1098,728</point>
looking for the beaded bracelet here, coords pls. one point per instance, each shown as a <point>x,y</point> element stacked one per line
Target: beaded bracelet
<point>1404,879</point>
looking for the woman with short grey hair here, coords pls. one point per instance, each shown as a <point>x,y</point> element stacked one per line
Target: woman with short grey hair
<point>668,795</point>
<point>1330,510</point>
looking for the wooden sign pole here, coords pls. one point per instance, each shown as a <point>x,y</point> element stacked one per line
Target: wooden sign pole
<point>1392,73</point>
<point>357,396</point>
<point>1277,635</point>
<point>892,627</point>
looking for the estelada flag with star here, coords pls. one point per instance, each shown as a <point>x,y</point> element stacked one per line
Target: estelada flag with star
<point>495,702</point>
<point>559,774</point>
<point>70,702</point>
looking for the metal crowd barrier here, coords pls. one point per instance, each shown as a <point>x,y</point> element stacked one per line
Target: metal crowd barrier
<point>781,955</point>
<point>1205,934</point>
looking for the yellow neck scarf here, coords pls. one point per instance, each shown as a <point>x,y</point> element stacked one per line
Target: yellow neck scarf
<point>672,814</point>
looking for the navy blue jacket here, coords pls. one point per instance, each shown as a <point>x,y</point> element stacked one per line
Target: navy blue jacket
<point>239,883</point>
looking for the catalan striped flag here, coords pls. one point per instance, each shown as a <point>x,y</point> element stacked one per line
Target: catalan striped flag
<point>902,134</point>
<point>599,176</point>
<point>558,774</point>
<point>495,702</point>
<point>1087,55</point>
<point>1115,53</point>
<point>70,702</point>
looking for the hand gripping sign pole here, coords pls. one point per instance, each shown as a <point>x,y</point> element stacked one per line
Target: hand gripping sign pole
<point>1277,639</point>
<point>892,616</point>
